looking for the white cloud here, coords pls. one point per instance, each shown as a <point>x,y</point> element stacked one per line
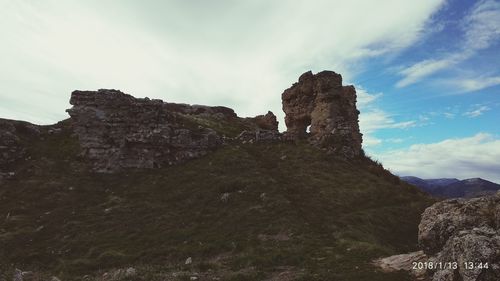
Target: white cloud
<point>365,99</point>
<point>478,111</point>
<point>422,69</point>
<point>372,118</point>
<point>475,84</point>
<point>241,54</point>
<point>377,119</point>
<point>469,157</point>
<point>480,27</point>
<point>449,115</point>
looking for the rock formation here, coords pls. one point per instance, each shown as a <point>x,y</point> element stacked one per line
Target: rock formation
<point>266,122</point>
<point>460,239</point>
<point>321,102</point>
<point>463,231</point>
<point>118,131</point>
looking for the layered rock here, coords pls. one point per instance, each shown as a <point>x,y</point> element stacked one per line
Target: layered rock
<point>118,131</point>
<point>321,102</point>
<point>463,231</point>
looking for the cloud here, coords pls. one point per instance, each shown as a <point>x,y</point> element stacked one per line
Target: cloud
<point>365,99</point>
<point>377,119</point>
<point>423,69</point>
<point>449,115</point>
<point>474,84</point>
<point>480,27</point>
<point>372,118</point>
<point>241,54</point>
<point>469,157</point>
<point>478,111</point>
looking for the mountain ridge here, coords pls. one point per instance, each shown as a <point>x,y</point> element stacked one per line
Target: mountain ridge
<point>452,187</point>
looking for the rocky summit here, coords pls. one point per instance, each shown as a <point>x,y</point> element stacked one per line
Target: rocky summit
<point>320,102</point>
<point>460,240</point>
<point>117,131</point>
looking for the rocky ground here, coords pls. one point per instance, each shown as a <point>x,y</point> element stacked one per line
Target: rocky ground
<point>460,239</point>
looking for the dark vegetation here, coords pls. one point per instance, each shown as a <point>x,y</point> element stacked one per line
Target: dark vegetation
<point>243,212</point>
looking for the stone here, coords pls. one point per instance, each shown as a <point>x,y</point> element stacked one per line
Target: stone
<point>189,261</point>
<point>320,102</point>
<point>18,275</point>
<point>259,136</point>
<point>225,197</point>
<point>446,219</point>
<point>266,122</point>
<point>463,230</point>
<point>403,262</point>
<point>456,231</point>
<point>118,131</point>
<point>130,272</point>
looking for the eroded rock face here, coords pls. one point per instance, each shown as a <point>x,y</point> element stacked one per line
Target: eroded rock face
<point>463,231</point>
<point>119,131</point>
<point>266,122</point>
<point>321,102</point>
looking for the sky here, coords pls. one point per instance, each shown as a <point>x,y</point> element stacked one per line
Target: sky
<point>426,72</point>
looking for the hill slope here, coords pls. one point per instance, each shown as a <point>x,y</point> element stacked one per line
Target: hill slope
<point>266,211</point>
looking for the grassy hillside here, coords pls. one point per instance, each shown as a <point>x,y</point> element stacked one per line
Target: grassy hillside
<point>245,212</point>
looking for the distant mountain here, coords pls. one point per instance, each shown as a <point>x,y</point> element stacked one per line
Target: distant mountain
<point>452,187</point>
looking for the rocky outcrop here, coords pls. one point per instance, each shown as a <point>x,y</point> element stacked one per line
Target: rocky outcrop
<point>266,129</point>
<point>259,136</point>
<point>466,232</point>
<point>460,239</point>
<point>266,122</point>
<point>321,102</point>
<point>403,262</point>
<point>118,131</point>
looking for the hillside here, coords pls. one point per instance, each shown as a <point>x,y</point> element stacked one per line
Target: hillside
<point>288,207</point>
<point>92,196</point>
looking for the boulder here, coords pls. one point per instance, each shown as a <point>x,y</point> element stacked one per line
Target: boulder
<point>465,231</point>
